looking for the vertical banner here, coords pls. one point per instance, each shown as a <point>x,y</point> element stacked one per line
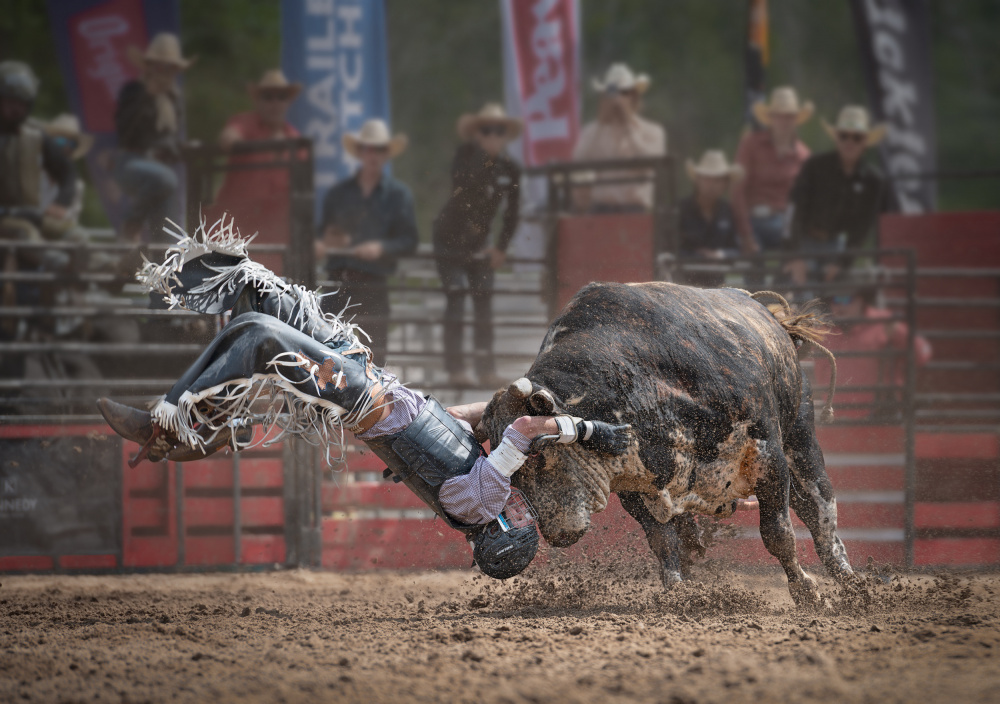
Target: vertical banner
<point>92,39</point>
<point>541,60</point>
<point>758,55</point>
<point>337,50</point>
<point>894,36</point>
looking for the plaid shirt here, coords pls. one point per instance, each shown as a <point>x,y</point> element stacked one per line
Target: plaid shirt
<point>473,498</point>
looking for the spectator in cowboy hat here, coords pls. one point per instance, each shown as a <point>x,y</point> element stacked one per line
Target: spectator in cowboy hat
<point>148,120</point>
<point>838,197</point>
<point>66,136</point>
<point>368,222</point>
<point>771,158</point>
<point>482,176</point>
<point>706,224</point>
<point>258,198</point>
<point>619,133</point>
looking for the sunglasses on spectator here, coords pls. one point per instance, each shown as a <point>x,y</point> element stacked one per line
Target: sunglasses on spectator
<point>64,142</point>
<point>375,149</point>
<point>856,137</point>
<point>273,96</point>
<point>627,92</point>
<point>498,130</point>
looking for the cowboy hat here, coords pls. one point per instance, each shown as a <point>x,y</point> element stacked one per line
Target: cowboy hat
<point>67,125</point>
<point>164,48</point>
<point>854,118</point>
<point>489,114</point>
<point>783,100</point>
<point>274,81</point>
<point>374,133</point>
<point>619,77</point>
<point>713,164</point>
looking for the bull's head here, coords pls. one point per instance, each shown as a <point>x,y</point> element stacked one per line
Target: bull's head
<point>561,494</point>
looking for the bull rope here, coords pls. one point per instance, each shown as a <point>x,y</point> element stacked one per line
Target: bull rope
<point>826,416</point>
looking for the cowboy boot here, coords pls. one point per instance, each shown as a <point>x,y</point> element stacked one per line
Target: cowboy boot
<point>158,444</point>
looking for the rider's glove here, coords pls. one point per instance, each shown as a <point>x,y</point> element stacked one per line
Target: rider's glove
<point>592,434</point>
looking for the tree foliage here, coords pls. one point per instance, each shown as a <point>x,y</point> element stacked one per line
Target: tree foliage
<point>445,60</point>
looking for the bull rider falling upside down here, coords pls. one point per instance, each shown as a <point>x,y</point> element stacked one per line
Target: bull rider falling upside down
<point>283,364</point>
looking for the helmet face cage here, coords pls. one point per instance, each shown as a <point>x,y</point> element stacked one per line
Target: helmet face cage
<point>517,512</point>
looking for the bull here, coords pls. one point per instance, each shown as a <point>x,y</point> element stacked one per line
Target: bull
<point>711,383</point>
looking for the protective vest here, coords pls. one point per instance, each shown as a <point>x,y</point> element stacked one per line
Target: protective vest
<point>429,451</point>
<point>21,167</point>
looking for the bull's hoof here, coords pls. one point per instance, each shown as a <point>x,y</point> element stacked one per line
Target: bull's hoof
<point>671,578</point>
<point>805,593</point>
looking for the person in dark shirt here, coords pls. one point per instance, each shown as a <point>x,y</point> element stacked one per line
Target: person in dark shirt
<point>368,223</point>
<point>837,198</point>
<point>707,226</point>
<point>482,177</point>
<point>148,118</point>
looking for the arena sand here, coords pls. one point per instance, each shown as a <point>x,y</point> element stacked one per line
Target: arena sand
<point>596,631</point>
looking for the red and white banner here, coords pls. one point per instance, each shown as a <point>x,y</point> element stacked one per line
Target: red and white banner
<point>541,51</point>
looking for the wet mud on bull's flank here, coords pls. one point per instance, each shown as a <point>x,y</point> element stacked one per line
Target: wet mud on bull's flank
<point>602,631</point>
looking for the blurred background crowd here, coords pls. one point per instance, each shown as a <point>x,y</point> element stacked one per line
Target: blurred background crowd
<point>775,151</point>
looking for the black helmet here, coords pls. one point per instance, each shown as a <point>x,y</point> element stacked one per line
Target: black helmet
<point>18,81</point>
<point>508,543</point>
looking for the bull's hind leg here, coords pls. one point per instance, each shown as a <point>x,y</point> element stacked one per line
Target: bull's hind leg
<point>777,533</point>
<point>812,495</point>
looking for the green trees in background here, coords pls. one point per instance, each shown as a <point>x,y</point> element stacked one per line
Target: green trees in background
<point>445,60</point>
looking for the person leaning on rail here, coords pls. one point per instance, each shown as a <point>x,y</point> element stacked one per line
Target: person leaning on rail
<point>482,177</point>
<point>148,123</point>
<point>619,132</point>
<point>837,198</point>
<point>282,363</point>
<point>705,221</point>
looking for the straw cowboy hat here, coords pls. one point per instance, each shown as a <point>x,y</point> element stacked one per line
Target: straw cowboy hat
<point>489,114</point>
<point>164,48</point>
<point>67,125</point>
<point>274,81</point>
<point>620,77</point>
<point>854,118</point>
<point>783,100</point>
<point>374,133</point>
<point>713,164</point>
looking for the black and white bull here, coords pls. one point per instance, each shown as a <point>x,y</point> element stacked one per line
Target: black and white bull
<point>710,381</point>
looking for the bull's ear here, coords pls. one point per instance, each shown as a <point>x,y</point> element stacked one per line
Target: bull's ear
<point>520,388</point>
<point>480,433</point>
<point>543,402</point>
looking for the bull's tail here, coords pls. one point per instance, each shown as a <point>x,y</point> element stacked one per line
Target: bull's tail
<point>806,324</point>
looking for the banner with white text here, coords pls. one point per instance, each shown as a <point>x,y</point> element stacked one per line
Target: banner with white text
<point>541,60</point>
<point>337,50</point>
<point>895,41</point>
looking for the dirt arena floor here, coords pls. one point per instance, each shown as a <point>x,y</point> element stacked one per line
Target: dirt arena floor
<point>599,632</point>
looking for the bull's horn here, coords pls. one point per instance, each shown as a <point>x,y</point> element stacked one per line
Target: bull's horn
<point>520,388</point>
<point>543,401</point>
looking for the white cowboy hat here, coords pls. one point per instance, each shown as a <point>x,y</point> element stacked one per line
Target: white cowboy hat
<point>489,114</point>
<point>374,133</point>
<point>620,77</point>
<point>783,100</point>
<point>713,164</point>
<point>274,81</point>
<point>164,48</point>
<point>854,118</point>
<point>67,125</point>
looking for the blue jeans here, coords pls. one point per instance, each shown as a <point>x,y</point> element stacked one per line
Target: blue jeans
<point>475,276</point>
<point>768,230</point>
<point>150,187</point>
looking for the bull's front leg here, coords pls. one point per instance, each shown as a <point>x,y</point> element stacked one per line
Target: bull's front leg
<point>662,537</point>
<point>777,533</point>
